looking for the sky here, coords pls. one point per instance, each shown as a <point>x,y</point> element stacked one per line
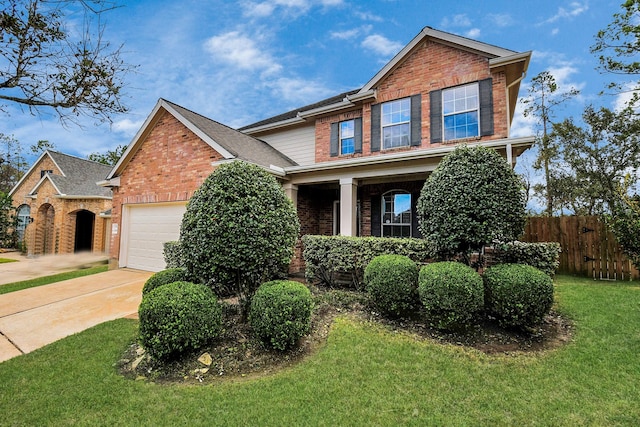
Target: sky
<point>244,61</point>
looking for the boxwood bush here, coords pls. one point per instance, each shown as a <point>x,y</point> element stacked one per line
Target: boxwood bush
<point>178,317</point>
<point>328,259</point>
<point>392,284</point>
<point>452,294</point>
<point>280,313</point>
<point>517,295</point>
<point>173,256</point>
<point>163,277</point>
<point>544,256</point>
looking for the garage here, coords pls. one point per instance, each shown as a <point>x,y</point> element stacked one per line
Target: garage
<point>145,229</point>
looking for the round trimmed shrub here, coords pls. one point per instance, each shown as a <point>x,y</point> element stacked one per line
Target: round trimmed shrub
<point>238,230</point>
<point>178,317</point>
<point>472,198</point>
<point>392,284</point>
<point>280,313</point>
<point>517,295</point>
<point>452,294</point>
<point>163,277</point>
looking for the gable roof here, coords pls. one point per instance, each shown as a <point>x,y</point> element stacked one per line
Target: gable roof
<point>78,177</point>
<point>498,57</point>
<point>229,142</point>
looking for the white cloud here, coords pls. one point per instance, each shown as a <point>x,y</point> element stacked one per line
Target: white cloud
<point>345,35</point>
<point>241,51</point>
<point>381,45</point>
<point>268,8</point>
<point>299,91</point>
<point>575,9</point>
<point>500,19</point>
<point>368,16</point>
<point>127,126</point>
<point>622,99</point>
<point>257,10</point>
<point>473,33</point>
<point>461,20</point>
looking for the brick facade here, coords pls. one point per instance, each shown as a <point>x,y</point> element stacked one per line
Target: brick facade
<point>53,230</point>
<point>168,166</point>
<point>431,66</point>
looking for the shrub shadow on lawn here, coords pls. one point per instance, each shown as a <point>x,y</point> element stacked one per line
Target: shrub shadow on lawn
<point>238,356</point>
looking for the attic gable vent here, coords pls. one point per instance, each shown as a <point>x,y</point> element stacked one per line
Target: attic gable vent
<point>43,172</point>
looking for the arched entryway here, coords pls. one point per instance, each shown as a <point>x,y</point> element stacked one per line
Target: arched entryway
<point>85,222</point>
<point>45,232</point>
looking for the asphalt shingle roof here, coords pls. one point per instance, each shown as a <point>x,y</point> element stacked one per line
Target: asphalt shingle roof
<point>80,176</point>
<point>242,146</point>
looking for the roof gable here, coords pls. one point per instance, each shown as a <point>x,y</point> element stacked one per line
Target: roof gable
<point>229,143</point>
<point>74,176</point>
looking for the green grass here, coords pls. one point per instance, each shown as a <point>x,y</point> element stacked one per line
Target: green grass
<point>6,260</point>
<point>365,375</point>
<point>18,286</point>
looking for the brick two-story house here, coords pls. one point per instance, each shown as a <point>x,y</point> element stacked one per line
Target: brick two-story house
<point>353,164</point>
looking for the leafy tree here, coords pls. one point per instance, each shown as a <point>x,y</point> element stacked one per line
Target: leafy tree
<point>543,101</point>
<point>8,222</point>
<point>618,45</point>
<point>239,230</point>
<point>625,225</point>
<point>600,154</point>
<point>12,162</point>
<point>46,65</point>
<point>472,198</point>
<point>110,157</point>
<point>42,146</point>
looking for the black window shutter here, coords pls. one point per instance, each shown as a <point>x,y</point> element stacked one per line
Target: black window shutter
<point>435,115</point>
<point>357,134</point>
<point>375,127</point>
<point>416,120</point>
<point>486,107</point>
<point>333,149</point>
<point>376,220</point>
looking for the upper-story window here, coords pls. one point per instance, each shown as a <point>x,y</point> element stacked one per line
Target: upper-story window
<point>347,141</point>
<point>460,110</point>
<point>396,123</point>
<point>346,137</point>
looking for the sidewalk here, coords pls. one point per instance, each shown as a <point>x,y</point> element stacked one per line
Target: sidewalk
<point>34,317</point>
<point>27,268</point>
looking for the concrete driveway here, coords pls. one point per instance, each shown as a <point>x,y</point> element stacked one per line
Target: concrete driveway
<point>32,318</point>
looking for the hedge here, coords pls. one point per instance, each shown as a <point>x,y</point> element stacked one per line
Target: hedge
<point>173,254</point>
<point>392,284</point>
<point>544,256</point>
<point>341,260</point>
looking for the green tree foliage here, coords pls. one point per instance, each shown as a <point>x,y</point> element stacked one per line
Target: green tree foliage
<point>599,154</point>
<point>624,222</point>
<point>12,162</point>
<point>239,230</point>
<point>392,284</point>
<point>47,66</point>
<point>542,103</point>
<point>7,222</point>
<point>110,157</point>
<point>472,198</point>
<point>618,46</point>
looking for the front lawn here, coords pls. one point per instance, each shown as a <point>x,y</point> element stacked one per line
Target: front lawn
<point>6,260</point>
<point>46,280</point>
<point>365,374</point>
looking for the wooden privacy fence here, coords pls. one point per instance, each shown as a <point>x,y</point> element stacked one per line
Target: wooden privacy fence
<point>588,248</point>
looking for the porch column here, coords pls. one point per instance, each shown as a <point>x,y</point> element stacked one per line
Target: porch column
<point>291,190</point>
<point>509,150</point>
<point>348,206</point>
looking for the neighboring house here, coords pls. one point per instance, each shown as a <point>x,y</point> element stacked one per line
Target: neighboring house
<point>60,207</point>
<point>353,164</point>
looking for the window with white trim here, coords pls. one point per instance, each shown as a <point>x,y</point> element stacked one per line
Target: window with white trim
<point>460,111</point>
<point>24,212</point>
<point>347,137</point>
<point>396,214</point>
<point>396,123</point>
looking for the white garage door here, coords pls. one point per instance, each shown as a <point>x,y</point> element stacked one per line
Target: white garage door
<point>147,228</point>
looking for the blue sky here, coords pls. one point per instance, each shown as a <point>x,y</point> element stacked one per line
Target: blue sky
<point>240,62</point>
